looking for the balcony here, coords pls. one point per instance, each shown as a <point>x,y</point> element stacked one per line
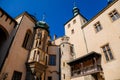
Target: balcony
<point>86,65</point>
<point>36,67</point>
<point>86,70</point>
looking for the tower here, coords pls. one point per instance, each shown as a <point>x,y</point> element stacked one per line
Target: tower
<point>67,54</point>
<point>73,29</point>
<point>38,53</point>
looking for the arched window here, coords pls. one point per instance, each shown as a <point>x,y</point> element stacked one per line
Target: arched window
<point>38,56</point>
<point>27,40</point>
<point>34,56</point>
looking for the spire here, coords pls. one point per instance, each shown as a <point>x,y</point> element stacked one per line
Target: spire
<point>75,9</point>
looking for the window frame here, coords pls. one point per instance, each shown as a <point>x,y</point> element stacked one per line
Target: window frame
<point>106,52</point>
<point>112,13</point>
<point>98,27</point>
<point>53,63</point>
<point>26,41</point>
<point>17,73</point>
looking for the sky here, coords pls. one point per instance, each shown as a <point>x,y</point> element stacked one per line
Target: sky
<point>57,12</point>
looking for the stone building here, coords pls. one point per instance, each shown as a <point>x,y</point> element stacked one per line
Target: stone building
<point>25,49</point>
<point>96,45</point>
<point>89,50</point>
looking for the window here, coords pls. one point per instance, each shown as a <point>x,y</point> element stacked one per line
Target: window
<point>34,56</point>
<point>72,31</point>
<point>71,49</point>
<point>26,43</point>
<point>64,76</point>
<point>64,64</point>
<point>36,43</point>
<point>1,14</point>
<point>49,78</point>
<point>84,21</point>
<point>98,27</point>
<point>6,18</point>
<point>39,35</point>
<point>63,45</point>
<point>68,25</point>
<point>107,52</point>
<point>114,15</point>
<point>38,55</point>
<point>52,60</point>
<point>10,22</point>
<point>74,21</point>
<point>17,75</point>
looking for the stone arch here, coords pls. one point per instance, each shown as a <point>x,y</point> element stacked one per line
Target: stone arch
<point>3,35</point>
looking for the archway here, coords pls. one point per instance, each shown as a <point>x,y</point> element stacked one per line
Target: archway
<point>3,37</point>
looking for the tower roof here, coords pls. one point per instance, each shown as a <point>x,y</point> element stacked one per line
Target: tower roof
<point>42,24</point>
<point>75,11</point>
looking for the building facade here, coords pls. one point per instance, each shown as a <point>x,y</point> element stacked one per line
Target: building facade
<point>89,50</point>
<point>96,44</point>
<point>24,47</point>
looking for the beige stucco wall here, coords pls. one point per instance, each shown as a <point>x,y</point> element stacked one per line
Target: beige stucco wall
<point>109,34</point>
<point>18,55</point>
<point>76,38</point>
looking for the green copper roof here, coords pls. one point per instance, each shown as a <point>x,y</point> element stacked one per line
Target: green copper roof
<point>42,24</point>
<point>75,11</point>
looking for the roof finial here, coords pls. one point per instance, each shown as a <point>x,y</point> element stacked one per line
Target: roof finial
<point>75,9</point>
<point>74,4</point>
<point>43,17</point>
